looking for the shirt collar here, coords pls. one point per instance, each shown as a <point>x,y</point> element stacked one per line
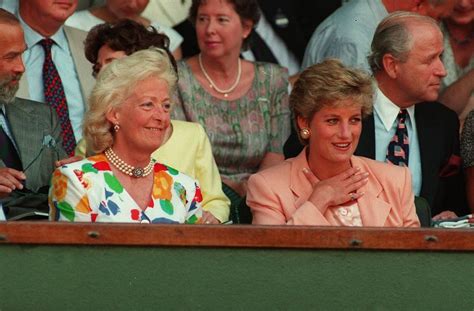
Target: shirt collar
<point>388,111</point>
<point>32,37</point>
<point>2,107</point>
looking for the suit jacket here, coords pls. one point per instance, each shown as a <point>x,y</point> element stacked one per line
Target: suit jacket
<point>30,122</point>
<point>75,38</point>
<point>279,195</point>
<point>438,136</point>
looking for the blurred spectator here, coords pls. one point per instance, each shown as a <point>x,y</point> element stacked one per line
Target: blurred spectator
<point>114,10</point>
<point>346,34</point>
<point>57,73</point>
<point>458,58</point>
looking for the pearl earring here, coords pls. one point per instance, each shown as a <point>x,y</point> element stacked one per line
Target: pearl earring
<point>305,133</point>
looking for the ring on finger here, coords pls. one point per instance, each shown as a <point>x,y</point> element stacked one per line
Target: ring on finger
<point>352,195</point>
<point>207,222</point>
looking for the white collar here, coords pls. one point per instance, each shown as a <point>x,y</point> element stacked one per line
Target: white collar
<point>388,111</point>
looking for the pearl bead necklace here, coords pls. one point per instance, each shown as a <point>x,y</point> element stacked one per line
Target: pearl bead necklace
<point>212,85</point>
<point>126,168</point>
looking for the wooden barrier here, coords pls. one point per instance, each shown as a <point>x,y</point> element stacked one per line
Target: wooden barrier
<point>58,266</point>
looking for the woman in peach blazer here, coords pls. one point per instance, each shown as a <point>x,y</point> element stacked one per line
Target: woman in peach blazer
<point>326,185</point>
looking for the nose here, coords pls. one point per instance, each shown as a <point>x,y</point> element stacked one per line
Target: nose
<point>440,71</point>
<point>18,66</point>
<point>344,130</point>
<point>210,27</point>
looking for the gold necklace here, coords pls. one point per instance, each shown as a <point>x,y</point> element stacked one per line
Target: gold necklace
<point>127,168</point>
<point>212,85</point>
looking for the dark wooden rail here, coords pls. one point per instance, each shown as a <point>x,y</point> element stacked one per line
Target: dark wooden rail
<point>236,236</point>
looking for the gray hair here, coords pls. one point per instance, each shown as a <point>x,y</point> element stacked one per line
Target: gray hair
<point>392,36</point>
<point>115,83</point>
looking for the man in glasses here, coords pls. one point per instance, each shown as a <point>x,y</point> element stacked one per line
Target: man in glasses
<point>30,140</point>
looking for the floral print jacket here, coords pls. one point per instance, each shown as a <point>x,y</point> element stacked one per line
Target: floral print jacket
<point>88,191</point>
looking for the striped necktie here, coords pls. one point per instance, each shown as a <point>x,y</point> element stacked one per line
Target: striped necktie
<point>398,148</point>
<point>54,96</point>
<point>8,152</point>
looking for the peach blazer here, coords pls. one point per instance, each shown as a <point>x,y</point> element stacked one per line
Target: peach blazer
<point>279,195</point>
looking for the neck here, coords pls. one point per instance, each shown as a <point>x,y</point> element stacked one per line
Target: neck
<point>44,26</point>
<point>224,67</point>
<point>391,91</point>
<point>136,158</point>
<point>324,169</point>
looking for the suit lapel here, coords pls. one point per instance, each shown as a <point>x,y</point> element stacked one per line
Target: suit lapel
<point>428,132</point>
<point>75,38</point>
<point>373,210</point>
<point>366,146</point>
<point>26,131</point>
<point>299,184</point>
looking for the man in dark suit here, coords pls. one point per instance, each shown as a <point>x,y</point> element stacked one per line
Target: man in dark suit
<point>406,63</point>
<point>30,140</point>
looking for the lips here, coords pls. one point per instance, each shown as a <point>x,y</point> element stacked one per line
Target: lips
<point>342,146</point>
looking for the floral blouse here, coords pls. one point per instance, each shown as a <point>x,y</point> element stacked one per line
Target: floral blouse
<point>88,191</point>
<point>241,131</point>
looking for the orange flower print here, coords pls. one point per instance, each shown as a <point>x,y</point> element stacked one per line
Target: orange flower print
<point>83,205</point>
<point>59,185</point>
<point>162,186</point>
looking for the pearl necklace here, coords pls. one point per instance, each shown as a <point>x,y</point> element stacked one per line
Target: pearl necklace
<point>212,85</point>
<point>126,168</point>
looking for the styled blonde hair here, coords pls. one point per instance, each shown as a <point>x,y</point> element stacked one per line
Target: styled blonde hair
<point>115,83</point>
<point>325,85</point>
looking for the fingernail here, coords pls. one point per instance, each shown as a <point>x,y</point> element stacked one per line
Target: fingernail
<point>305,170</point>
<point>357,168</point>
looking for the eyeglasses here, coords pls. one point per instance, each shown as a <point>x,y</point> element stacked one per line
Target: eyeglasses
<point>48,143</point>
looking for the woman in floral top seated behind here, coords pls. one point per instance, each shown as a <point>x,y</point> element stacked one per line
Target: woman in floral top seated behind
<point>127,121</point>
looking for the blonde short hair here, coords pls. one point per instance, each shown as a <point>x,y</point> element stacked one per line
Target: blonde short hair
<point>115,83</point>
<point>327,83</point>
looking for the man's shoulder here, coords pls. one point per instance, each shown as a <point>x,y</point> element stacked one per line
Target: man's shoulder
<point>29,106</point>
<point>435,111</point>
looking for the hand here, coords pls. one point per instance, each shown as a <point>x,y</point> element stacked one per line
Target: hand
<point>10,180</point>
<point>68,161</point>
<point>445,215</point>
<point>239,187</point>
<point>208,219</point>
<point>336,190</point>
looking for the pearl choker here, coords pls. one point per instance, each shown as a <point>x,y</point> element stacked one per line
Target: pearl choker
<point>126,168</point>
<point>212,85</point>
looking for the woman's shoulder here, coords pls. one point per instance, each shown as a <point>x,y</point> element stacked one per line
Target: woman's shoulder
<point>187,127</point>
<point>91,164</point>
<point>175,174</point>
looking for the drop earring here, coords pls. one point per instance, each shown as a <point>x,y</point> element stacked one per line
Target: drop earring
<point>116,127</point>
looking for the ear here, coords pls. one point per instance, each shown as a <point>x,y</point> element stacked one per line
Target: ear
<point>302,123</point>
<point>113,116</point>
<point>247,26</point>
<point>390,65</point>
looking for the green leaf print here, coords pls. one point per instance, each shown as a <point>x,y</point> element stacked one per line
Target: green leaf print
<point>167,207</point>
<point>88,168</point>
<point>172,171</point>
<point>113,183</point>
<point>66,210</point>
<point>192,220</point>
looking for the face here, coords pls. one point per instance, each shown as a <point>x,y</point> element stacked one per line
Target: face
<point>57,10</point>
<point>436,11</point>
<point>219,29</point>
<point>105,56</point>
<point>12,46</point>
<point>463,12</point>
<point>126,8</point>
<point>335,132</point>
<point>144,116</point>
<point>419,78</point>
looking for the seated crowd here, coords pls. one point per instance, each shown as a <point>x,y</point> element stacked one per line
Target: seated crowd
<point>101,121</point>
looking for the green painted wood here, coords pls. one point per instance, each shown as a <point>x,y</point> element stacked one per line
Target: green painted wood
<point>164,278</point>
